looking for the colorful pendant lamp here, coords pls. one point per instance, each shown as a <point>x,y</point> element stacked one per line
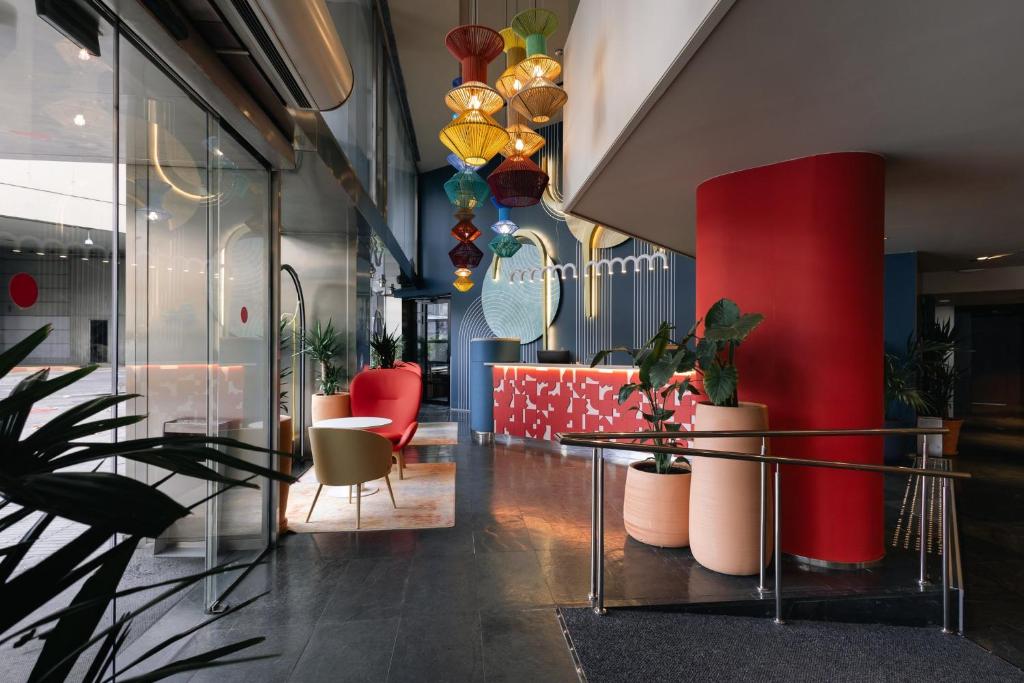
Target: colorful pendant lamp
<point>509,82</point>
<point>458,164</point>
<point>540,98</point>
<point>504,225</point>
<point>474,135</point>
<point>465,255</point>
<point>517,182</point>
<point>466,190</point>
<point>505,244</point>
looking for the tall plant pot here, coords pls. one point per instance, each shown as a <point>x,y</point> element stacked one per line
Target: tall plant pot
<point>725,514</point>
<point>656,507</point>
<point>951,441</point>
<point>284,443</point>
<point>328,407</point>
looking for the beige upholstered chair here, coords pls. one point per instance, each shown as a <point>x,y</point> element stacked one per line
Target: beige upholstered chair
<point>349,457</point>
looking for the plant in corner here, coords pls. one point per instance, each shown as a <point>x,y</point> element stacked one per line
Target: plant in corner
<point>322,344</point>
<point>656,505</point>
<point>58,472</point>
<point>725,495</point>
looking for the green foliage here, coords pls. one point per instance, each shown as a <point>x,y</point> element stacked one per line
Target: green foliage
<point>323,345</point>
<point>938,375</point>
<point>284,340</point>
<point>659,360</point>
<point>117,513</point>
<point>385,348</point>
<point>901,373</point>
<point>725,328</point>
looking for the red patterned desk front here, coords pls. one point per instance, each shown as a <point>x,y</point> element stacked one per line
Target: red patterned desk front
<point>538,401</point>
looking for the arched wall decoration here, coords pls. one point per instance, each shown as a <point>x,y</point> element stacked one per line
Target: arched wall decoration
<point>472,326</point>
<point>511,308</point>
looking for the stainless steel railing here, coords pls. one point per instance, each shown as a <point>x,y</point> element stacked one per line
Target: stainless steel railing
<point>639,441</point>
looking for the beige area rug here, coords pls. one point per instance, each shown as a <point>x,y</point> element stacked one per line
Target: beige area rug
<point>425,499</point>
<point>436,434</point>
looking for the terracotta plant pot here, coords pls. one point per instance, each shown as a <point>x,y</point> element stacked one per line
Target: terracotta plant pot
<point>725,515</point>
<point>284,443</point>
<point>951,441</point>
<point>656,508</point>
<point>328,407</point>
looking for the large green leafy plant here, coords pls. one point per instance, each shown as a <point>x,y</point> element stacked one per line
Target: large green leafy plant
<point>725,328</point>
<point>938,374</point>
<point>659,361</point>
<point>385,348</point>
<point>41,476</point>
<point>902,371</point>
<point>323,345</point>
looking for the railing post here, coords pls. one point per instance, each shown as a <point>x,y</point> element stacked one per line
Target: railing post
<point>599,595</point>
<point>945,556</point>
<point>592,596</point>
<point>778,544</point>
<point>922,579</point>
<point>761,587</point>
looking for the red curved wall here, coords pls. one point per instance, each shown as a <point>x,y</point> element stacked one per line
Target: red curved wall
<point>802,242</point>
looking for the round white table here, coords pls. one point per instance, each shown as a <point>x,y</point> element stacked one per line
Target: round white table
<point>352,423</point>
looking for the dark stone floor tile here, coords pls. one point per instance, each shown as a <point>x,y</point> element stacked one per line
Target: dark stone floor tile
<point>511,580</point>
<point>525,645</point>
<point>497,539</point>
<point>348,651</point>
<point>441,583</point>
<point>366,588</point>
<point>438,648</point>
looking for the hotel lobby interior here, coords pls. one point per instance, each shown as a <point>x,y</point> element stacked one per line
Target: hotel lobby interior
<point>511,340</point>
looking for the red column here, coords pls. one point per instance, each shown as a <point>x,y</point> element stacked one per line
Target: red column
<point>802,242</point>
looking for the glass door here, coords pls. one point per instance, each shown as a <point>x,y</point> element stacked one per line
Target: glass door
<point>435,349</point>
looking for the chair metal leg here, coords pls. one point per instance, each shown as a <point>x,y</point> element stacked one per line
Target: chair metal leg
<point>315,498</point>
<point>359,500</point>
<point>401,463</point>
<point>387,480</point>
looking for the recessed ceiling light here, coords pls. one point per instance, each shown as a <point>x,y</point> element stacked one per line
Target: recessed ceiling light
<point>84,258</point>
<point>39,253</point>
<point>79,119</point>
<point>943,301</point>
<point>153,215</point>
<point>84,55</point>
<point>992,257</point>
<point>106,261</point>
<point>63,255</point>
<point>15,251</point>
<point>216,150</point>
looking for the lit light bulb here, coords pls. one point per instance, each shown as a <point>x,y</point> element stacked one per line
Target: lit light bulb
<point>39,253</point>
<point>520,144</point>
<point>84,55</point>
<point>474,102</point>
<point>63,255</point>
<point>88,239</point>
<point>79,120</point>
<point>15,251</point>
<point>517,85</point>
<point>152,215</point>
<point>537,71</point>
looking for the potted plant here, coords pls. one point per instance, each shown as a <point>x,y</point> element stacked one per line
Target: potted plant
<point>657,496</point>
<point>322,345</point>
<point>385,348</point>
<point>903,398</point>
<point>725,497</point>
<point>938,378</point>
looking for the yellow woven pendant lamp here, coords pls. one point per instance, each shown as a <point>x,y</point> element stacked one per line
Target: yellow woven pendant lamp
<point>523,141</point>
<point>474,95</point>
<point>540,98</point>
<point>509,82</point>
<point>534,26</point>
<point>475,137</point>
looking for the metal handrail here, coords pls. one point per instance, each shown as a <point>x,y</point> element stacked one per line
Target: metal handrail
<point>598,441</point>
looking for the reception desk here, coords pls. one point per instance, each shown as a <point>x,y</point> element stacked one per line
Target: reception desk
<point>538,401</point>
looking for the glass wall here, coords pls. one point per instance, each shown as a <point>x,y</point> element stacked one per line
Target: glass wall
<point>178,276</point>
<point>401,209</point>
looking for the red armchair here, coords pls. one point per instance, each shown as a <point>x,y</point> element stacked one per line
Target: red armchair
<point>394,394</point>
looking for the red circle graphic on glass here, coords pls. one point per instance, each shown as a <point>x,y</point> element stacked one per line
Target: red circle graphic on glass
<point>23,290</point>
<point>245,315</point>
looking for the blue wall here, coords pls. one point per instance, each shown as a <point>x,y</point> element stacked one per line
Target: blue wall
<point>900,300</point>
<point>668,295</point>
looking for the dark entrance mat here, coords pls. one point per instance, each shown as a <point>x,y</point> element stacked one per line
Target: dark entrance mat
<point>646,645</point>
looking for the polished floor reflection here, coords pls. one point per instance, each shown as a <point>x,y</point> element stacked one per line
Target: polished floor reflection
<point>477,601</point>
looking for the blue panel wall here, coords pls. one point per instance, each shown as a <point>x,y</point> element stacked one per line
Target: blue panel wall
<point>900,300</point>
<point>631,305</point>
